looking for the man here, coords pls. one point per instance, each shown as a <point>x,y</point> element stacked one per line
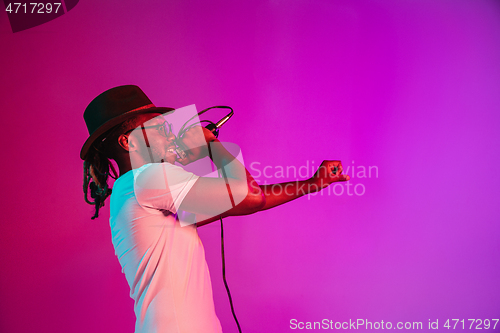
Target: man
<point>164,261</point>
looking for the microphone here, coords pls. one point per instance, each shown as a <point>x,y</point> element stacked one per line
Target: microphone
<point>214,128</point>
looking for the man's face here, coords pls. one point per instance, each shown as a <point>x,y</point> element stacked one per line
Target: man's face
<point>153,139</point>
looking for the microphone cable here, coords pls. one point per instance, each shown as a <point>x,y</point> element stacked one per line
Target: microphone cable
<point>214,128</point>
<point>224,274</point>
<point>221,171</point>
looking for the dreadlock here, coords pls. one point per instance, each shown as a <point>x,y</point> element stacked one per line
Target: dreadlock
<point>96,170</point>
<point>97,167</point>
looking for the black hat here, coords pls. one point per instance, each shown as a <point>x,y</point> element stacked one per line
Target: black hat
<point>113,107</point>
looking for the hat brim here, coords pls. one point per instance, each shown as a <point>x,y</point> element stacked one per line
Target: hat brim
<point>118,120</point>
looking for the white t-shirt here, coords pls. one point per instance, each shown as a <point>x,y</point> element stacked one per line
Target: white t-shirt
<point>163,262</point>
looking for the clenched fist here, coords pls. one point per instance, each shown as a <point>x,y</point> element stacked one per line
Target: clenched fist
<point>328,172</point>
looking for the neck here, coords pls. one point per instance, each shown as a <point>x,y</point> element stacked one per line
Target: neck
<point>124,170</point>
<point>125,162</point>
<point>124,165</point>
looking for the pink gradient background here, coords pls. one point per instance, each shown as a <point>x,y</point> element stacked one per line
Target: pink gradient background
<point>412,87</point>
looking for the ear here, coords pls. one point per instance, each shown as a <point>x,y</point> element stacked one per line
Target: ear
<point>127,142</point>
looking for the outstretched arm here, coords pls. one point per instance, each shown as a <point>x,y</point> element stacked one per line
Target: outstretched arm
<point>278,194</point>
<point>206,198</point>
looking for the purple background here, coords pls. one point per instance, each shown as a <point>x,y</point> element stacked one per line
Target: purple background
<point>412,87</point>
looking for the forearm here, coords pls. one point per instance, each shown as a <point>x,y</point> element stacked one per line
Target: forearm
<point>264,197</point>
<point>278,194</point>
<point>202,220</point>
<point>239,210</point>
<point>253,203</point>
<point>273,195</point>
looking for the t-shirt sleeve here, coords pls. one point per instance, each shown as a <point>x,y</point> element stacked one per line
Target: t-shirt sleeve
<point>162,186</point>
